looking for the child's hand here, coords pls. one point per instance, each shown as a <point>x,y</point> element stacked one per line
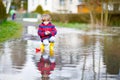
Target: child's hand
<point>47,32</point>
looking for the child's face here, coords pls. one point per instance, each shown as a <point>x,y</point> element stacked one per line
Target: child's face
<point>46,22</point>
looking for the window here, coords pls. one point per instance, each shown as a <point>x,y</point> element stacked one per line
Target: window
<point>32,2</point>
<point>62,2</point>
<point>71,1</point>
<point>80,0</point>
<point>45,2</point>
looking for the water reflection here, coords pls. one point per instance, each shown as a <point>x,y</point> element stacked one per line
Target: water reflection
<point>112,54</point>
<point>16,61</point>
<point>13,56</point>
<point>45,67</point>
<point>78,57</point>
<point>88,56</point>
<point>18,53</point>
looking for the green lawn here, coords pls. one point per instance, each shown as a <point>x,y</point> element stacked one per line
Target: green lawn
<point>80,26</point>
<point>10,30</point>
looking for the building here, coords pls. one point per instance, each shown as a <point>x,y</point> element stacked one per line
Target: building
<point>55,6</point>
<point>84,8</point>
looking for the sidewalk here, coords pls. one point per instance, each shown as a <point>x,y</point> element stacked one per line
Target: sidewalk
<point>29,22</point>
<point>26,25</point>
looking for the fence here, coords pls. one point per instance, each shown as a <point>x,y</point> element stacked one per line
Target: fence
<point>20,16</point>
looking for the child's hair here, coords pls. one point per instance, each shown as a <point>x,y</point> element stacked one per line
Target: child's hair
<point>46,17</point>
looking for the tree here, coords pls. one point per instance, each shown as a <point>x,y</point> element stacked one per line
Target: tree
<point>17,4</point>
<point>92,5</point>
<point>3,14</point>
<point>116,4</point>
<point>106,14</point>
<point>105,4</point>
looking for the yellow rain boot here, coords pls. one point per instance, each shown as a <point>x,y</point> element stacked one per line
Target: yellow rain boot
<point>51,49</point>
<point>42,48</point>
<point>51,53</point>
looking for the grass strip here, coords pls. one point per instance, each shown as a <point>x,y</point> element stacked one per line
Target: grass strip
<point>80,26</point>
<point>10,30</point>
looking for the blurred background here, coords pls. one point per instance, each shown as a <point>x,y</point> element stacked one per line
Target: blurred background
<point>101,12</point>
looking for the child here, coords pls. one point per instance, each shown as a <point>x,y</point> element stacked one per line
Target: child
<point>14,16</point>
<point>47,32</point>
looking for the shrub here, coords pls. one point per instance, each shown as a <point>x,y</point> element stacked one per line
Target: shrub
<point>39,10</point>
<point>46,12</point>
<point>72,18</point>
<point>114,19</point>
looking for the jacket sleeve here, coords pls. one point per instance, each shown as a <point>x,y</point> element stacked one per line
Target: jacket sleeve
<point>41,32</point>
<point>53,31</point>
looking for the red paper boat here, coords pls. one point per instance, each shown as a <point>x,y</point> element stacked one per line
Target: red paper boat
<point>37,50</point>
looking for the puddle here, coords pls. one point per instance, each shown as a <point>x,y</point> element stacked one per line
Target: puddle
<point>78,57</point>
